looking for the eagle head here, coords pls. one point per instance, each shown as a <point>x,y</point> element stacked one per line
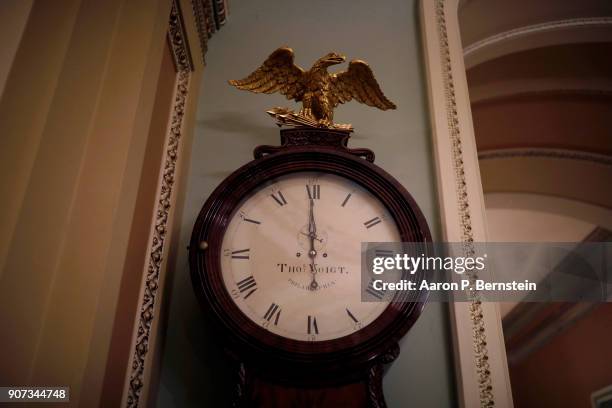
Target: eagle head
<point>328,60</point>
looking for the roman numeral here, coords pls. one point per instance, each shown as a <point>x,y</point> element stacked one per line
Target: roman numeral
<point>374,292</point>
<point>312,325</point>
<point>372,222</point>
<point>346,199</point>
<point>244,254</point>
<point>273,311</point>
<point>351,316</point>
<point>247,284</point>
<point>279,198</point>
<point>314,191</point>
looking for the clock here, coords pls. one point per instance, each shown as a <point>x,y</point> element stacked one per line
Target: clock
<point>275,259</point>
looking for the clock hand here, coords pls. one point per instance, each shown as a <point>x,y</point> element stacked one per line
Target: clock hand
<point>312,233</point>
<point>308,235</point>
<point>312,227</point>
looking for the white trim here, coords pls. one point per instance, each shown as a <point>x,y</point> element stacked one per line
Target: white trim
<point>545,152</point>
<point>568,31</point>
<point>548,26</point>
<point>480,355</point>
<point>538,88</point>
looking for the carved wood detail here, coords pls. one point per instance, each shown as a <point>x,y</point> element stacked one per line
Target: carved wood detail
<point>305,136</point>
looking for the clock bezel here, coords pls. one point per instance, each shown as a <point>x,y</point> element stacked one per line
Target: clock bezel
<point>256,346</point>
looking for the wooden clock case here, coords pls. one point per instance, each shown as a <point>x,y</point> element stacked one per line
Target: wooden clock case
<point>273,371</point>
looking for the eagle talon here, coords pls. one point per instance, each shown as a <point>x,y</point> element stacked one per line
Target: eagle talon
<point>307,113</point>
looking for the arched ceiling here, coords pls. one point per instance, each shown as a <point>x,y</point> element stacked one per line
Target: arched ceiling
<point>560,120</point>
<point>564,208</point>
<point>484,18</point>
<point>492,28</point>
<point>569,68</point>
<point>573,178</point>
<point>540,84</point>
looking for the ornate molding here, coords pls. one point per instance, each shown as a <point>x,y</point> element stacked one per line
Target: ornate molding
<point>178,39</point>
<point>376,398</point>
<point>240,388</point>
<point>201,22</point>
<point>536,29</point>
<point>481,353</point>
<point>157,246</point>
<point>210,15</point>
<point>545,153</point>
<point>149,292</point>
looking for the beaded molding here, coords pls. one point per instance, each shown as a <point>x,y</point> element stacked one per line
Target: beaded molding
<point>481,354</point>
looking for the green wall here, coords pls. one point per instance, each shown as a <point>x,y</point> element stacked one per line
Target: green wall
<point>231,122</point>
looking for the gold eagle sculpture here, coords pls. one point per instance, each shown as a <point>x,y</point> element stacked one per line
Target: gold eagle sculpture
<point>318,90</point>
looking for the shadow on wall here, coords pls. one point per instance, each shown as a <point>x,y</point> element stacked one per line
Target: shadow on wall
<point>236,122</point>
<point>199,349</point>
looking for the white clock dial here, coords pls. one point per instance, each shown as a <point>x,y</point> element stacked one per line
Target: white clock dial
<point>276,236</point>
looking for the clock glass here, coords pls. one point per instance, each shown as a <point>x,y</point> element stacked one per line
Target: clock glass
<point>292,255</point>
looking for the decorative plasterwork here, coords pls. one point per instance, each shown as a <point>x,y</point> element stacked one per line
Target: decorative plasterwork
<point>200,17</point>
<point>178,40</point>
<point>157,249</point>
<point>540,88</point>
<point>546,153</point>
<point>478,344</point>
<point>210,16</point>
<point>481,353</point>
<point>548,26</point>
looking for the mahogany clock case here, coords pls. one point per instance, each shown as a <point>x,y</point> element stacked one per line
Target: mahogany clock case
<point>253,345</point>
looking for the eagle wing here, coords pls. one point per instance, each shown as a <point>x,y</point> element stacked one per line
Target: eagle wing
<point>358,83</point>
<point>278,73</point>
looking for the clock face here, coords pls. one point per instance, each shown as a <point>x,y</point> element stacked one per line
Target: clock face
<point>292,255</point>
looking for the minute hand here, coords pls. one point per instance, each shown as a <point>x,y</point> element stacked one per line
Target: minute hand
<point>312,226</point>
<point>312,234</point>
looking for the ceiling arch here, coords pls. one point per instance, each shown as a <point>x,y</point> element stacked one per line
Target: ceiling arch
<point>493,28</point>
<point>563,176</point>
